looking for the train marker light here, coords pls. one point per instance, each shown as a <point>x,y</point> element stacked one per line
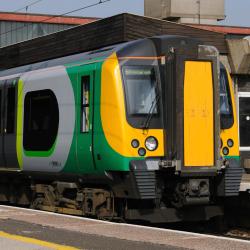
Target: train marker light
<point>230,143</point>
<point>135,143</point>
<point>225,151</point>
<point>142,151</point>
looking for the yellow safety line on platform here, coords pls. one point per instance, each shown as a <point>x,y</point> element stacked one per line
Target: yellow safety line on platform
<point>36,242</point>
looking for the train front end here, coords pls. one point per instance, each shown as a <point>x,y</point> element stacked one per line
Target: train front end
<point>171,96</point>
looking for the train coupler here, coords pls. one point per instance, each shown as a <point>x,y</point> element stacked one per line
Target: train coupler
<point>192,192</point>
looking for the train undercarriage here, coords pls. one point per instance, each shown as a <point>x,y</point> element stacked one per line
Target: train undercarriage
<point>129,197</point>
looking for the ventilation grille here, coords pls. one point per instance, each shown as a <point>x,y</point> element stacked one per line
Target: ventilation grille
<point>145,181</point>
<point>233,177</point>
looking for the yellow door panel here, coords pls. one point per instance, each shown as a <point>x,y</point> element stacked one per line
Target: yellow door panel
<point>198,115</point>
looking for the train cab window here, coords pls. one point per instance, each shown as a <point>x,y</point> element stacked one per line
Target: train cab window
<point>41,120</point>
<point>85,103</point>
<point>140,87</point>
<point>11,103</point>
<point>226,110</point>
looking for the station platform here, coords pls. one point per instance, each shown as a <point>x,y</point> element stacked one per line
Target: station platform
<point>32,229</point>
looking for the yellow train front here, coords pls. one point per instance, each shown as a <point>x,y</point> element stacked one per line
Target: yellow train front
<point>170,124</point>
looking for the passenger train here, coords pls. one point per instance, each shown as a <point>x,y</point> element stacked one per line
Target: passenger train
<point>145,130</point>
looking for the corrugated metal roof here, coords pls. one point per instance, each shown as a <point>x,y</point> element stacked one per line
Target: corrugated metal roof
<point>224,29</point>
<point>40,18</point>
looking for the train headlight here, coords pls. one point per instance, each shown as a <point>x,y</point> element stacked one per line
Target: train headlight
<point>151,143</point>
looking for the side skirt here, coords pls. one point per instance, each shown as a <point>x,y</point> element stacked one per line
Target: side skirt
<point>169,215</point>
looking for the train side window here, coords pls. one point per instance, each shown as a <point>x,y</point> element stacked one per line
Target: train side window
<point>11,101</point>
<point>41,120</point>
<point>85,104</point>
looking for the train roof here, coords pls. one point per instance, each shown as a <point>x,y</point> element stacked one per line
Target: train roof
<point>80,57</point>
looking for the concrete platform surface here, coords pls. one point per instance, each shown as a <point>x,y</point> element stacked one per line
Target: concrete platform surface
<point>17,242</point>
<point>83,233</point>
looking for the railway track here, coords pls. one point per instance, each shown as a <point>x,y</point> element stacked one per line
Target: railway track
<point>220,228</point>
<point>238,233</point>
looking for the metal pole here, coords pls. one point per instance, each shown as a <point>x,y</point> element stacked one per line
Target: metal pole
<point>199,10</point>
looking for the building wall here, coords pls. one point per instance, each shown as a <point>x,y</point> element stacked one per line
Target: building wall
<point>13,32</point>
<point>186,11</point>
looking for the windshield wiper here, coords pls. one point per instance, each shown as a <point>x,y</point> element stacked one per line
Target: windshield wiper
<point>145,124</point>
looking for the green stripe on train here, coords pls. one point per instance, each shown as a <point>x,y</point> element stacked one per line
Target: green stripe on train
<point>109,159</point>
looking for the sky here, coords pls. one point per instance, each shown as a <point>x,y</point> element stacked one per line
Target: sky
<point>237,11</point>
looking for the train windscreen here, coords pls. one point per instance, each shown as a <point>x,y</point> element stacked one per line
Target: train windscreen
<point>140,86</point>
<point>226,110</point>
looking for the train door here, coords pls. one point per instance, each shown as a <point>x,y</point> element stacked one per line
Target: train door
<point>85,147</point>
<point>198,114</point>
<point>8,96</point>
<point>244,121</point>
<point>193,104</point>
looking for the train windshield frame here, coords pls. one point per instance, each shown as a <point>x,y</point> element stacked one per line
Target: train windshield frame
<point>140,89</point>
<point>226,110</point>
<point>141,85</point>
